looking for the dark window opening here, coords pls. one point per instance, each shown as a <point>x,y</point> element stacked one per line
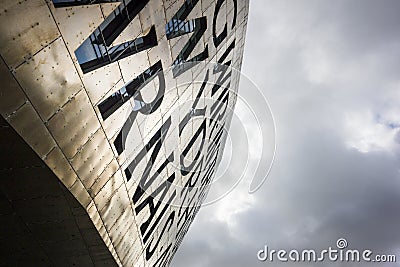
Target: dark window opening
<point>117,99</point>
<point>92,56</point>
<point>200,25</point>
<point>68,3</point>
<point>96,51</point>
<point>177,26</point>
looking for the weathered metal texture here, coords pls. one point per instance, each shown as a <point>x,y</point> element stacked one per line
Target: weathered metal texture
<point>48,79</point>
<point>54,106</point>
<point>27,27</point>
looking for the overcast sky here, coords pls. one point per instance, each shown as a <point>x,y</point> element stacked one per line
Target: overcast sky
<point>331,73</point>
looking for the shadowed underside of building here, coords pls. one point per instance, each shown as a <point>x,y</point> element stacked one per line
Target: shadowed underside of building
<point>41,222</point>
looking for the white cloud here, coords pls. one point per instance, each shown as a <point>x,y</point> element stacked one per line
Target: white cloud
<point>369,132</point>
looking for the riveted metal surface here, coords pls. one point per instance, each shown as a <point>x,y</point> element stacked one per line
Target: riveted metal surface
<point>133,66</point>
<point>107,8</point>
<point>95,217</point>
<point>221,50</point>
<point>199,48</point>
<point>169,105</point>
<point>183,80</point>
<point>103,232</point>
<point>242,11</point>
<point>207,37</point>
<point>49,79</point>
<point>28,124</point>
<point>137,261</point>
<point>175,230</point>
<point>153,14</point>
<point>159,237</point>
<point>144,214</point>
<point>115,88</point>
<point>99,82</point>
<point>205,4</point>
<point>131,249</point>
<point>177,44</point>
<point>61,167</point>
<point>78,190</point>
<point>105,194</point>
<point>196,11</point>
<point>137,173</point>
<point>77,23</point>
<point>124,224</point>
<point>134,142</point>
<point>230,8</point>
<point>148,124</point>
<point>115,206</point>
<point>74,124</point>
<point>161,52</point>
<point>103,178</point>
<point>26,27</point>
<point>11,94</point>
<point>221,18</point>
<point>133,256</point>
<point>171,7</point>
<point>131,32</point>
<point>115,122</point>
<point>93,158</point>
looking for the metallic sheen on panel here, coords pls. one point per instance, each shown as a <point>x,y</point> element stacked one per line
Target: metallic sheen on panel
<point>119,136</point>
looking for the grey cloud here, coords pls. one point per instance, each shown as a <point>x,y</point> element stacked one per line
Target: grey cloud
<point>320,189</point>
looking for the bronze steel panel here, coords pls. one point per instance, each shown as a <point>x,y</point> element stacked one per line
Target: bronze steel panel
<point>153,14</point>
<point>28,124</point>
<point>134,65</point>
<point>110,188</point>
<point>25,28</point>
<point>77,23</point>
<point>103,178</point>
<point>131,32</point>
<point>49,79</point>
<point>93,158</point>
<point>11,95</point>
<point>100,82</point>
<point>61,167</point>
<point>74,124</point>
<point>80,193</point>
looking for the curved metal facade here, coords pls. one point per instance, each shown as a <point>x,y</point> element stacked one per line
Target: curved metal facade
<point>97,89</point>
